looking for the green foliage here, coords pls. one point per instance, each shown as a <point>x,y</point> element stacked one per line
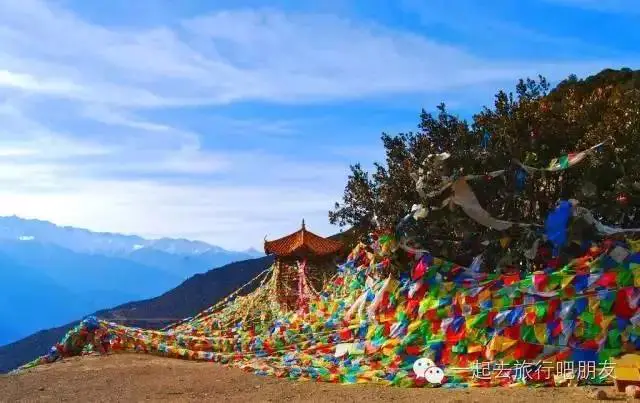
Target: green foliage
<point>534,125</point>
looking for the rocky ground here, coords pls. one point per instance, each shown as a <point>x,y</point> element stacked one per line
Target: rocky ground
<point>132,377</point>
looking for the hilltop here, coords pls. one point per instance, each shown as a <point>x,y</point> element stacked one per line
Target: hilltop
<point>132,377</point>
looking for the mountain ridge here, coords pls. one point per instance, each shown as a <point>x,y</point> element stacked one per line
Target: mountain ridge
<point>78,239</point>
<point>75,271</point>
<point>191,296</point>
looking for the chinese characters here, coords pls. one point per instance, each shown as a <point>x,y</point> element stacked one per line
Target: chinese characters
<point>542,370</point>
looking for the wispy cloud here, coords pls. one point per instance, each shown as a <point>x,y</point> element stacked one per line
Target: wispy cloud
<point>228,56</point>
<point>30,83</point>
<point>233,216</point>
<point>84,140</point>
<point>157,180</point>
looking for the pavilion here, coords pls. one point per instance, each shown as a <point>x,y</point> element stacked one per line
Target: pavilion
<point>301,260</point>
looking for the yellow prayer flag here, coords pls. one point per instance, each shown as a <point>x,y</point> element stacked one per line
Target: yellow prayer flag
<point>474,348</point>
<point>370,332</point>
<point>469,322</point>
<point>484,295</point>
<point>413,326</point>
<point>606,321</point>
<point>567,279</point>
<point>635,244</point>
<point>594,303</point>
<point>636,274</point>
<point>500,344</point>
<point>540,329</point>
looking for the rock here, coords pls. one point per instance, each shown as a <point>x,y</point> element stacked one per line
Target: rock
<point>632,391</point>
<point>598,394</point>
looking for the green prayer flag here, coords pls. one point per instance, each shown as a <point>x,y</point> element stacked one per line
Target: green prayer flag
<point>409,339</point>
<point>379,332</point>
<point>424,306</point>
<point>446,267</point>
<point>528,334</point>
<point>401,316</point>
<point>541,309</point>
<point>400,375</point>
<point>591,331</point>
<point>480,320</point>
<point>625,278</point>
<point>460,348</point>
<point>526,283</point>
<point>614,339</point>
<point>587,317</point>
<point>555,280</point>
<point>607,303</point>
<point>606,354</point>
<point>425,328</point>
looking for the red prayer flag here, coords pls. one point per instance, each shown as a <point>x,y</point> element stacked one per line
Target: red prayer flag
<point>527,351</point>
<point>608,279</point>
<point>510,279</point>
<point>413,350</point>
<point>419,270</point>
<point>540,281</point>
<point>512,332</point>
<point>621,305</point>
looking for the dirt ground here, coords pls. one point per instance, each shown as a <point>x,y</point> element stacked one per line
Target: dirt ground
<point>133,377</point>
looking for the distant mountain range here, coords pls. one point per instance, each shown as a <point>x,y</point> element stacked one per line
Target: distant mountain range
<point>50,275</point>
<point>192,296</point>
<point>103,243</point>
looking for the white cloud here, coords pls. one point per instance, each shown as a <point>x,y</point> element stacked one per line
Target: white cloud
<point>156,180</point>
<point>29,83</point>
<point>21,136</point>
<point>232,216</point>
<point>81,142</point>
<point>229,56</point>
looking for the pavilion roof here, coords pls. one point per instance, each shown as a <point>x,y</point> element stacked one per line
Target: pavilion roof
<point>302,243</point>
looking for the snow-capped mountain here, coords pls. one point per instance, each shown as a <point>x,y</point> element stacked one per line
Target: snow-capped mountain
<point>110,244</point>
<point>78,271</point>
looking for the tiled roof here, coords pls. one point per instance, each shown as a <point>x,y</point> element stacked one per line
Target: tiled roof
<point>302,242</point>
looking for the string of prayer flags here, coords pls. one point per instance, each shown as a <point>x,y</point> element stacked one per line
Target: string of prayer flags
<point>360,328</point>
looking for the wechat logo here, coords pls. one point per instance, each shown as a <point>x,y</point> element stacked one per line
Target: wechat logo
<point>425,368</point>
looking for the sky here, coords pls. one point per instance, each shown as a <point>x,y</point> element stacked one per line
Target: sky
<point>228,121</point>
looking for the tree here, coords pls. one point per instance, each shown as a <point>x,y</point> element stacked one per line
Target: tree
<point>388,194</point>
<point>533,126</point>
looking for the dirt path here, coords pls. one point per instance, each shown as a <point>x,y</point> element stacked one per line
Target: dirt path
<point>131,378</point>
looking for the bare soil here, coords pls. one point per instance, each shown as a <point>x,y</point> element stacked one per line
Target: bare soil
<point>138,377</point>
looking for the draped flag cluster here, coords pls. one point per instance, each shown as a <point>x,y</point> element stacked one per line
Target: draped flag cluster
<point>386,308</point>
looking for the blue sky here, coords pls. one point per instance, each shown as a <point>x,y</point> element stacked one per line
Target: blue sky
<point>227,121</point>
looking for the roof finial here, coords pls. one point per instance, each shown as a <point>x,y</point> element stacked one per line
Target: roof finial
<point>303,227</point>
